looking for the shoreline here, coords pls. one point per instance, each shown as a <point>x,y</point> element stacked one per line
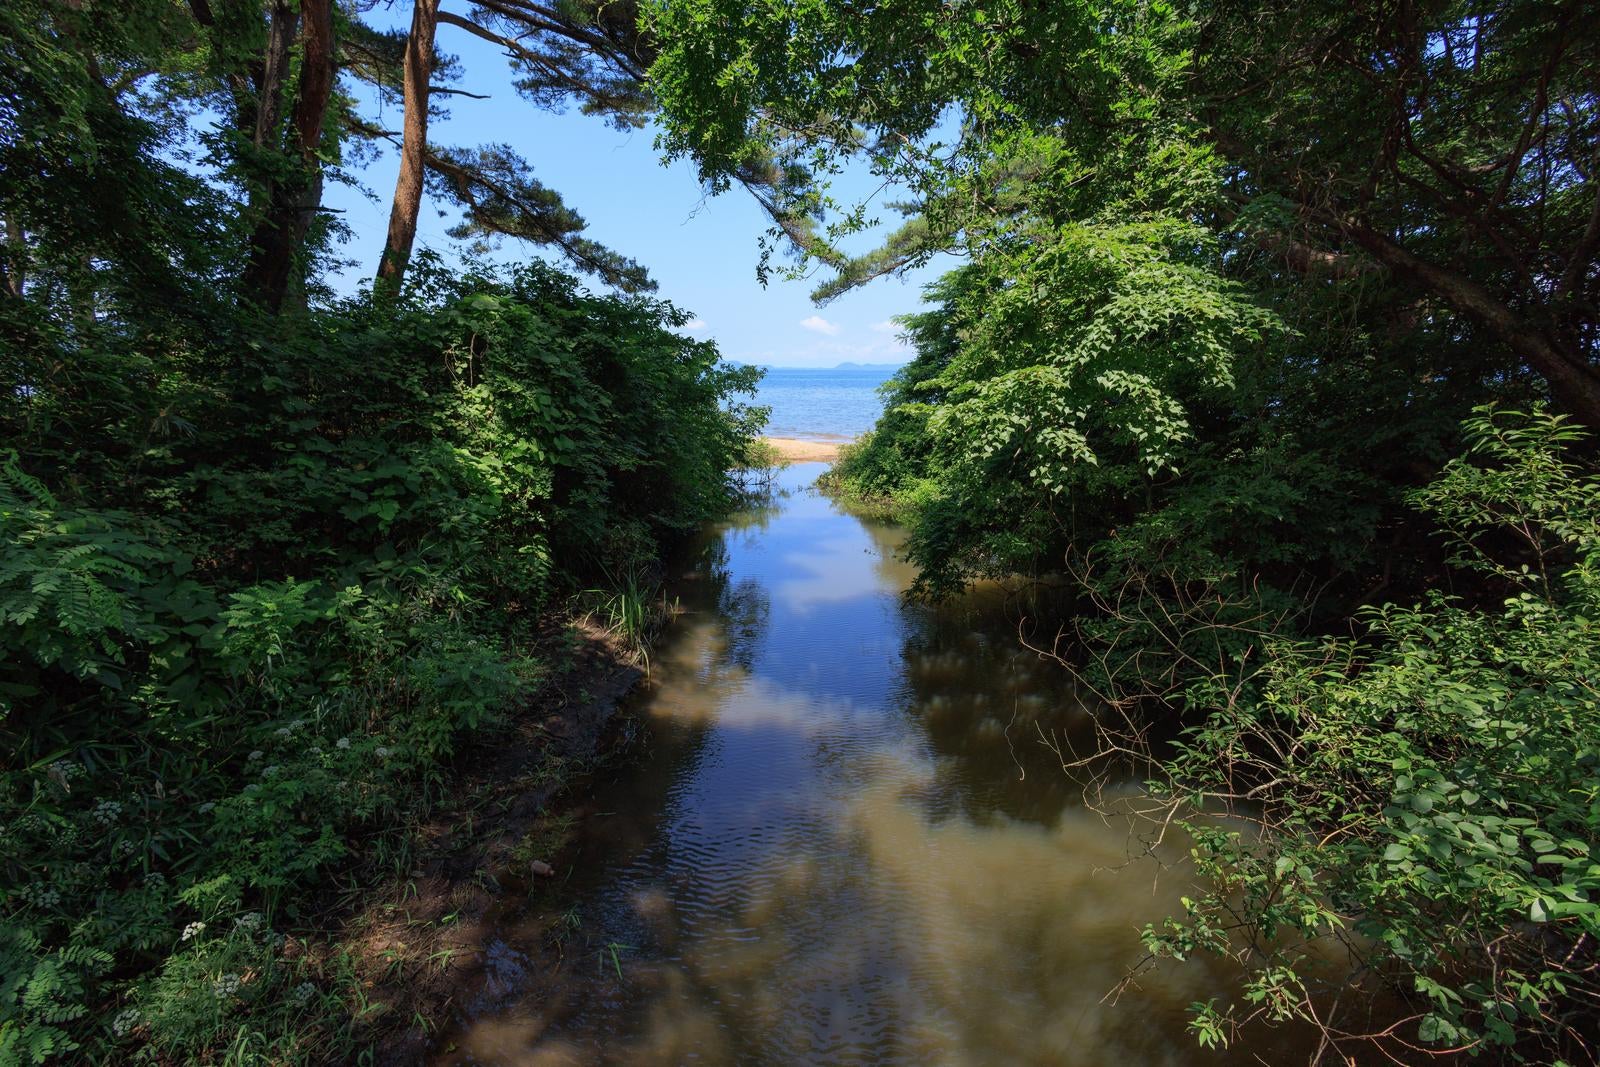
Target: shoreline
<point>797,450</point>
<point>523,796</point>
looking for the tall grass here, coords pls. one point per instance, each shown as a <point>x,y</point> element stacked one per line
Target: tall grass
<point>634,608</point>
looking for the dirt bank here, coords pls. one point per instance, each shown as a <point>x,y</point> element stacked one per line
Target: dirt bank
<point>424,945</point>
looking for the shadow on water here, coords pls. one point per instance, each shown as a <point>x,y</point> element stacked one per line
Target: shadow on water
<point>846,843</point>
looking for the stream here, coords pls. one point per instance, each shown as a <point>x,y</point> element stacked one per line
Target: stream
<point>845,843</point>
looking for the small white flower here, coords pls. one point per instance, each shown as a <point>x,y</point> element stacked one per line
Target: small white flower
<point>206,807</point>
<point>194,929</point>
<point>257,754</point>
<point>315,750</point>
<point>250,921</point>
<point>125,1021</point>
<point>107,812</point>
<point>303,993</point>
<point>381,752</point>
<point>155,879</point>
<point>62,772</point>
<point>343,742</point>
<point>226,986</point>
<point>125,847</point>
<point>42,895</point>
<point>283,731</point>
<point>270,771</point>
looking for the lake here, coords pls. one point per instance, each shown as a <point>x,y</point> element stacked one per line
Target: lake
<point>823,404</point>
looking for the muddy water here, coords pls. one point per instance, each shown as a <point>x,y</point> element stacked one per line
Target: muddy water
<point>846,844</point>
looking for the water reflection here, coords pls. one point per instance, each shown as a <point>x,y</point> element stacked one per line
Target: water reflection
<point>847,844</point>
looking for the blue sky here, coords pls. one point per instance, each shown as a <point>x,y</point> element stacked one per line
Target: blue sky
<point>701,251</point>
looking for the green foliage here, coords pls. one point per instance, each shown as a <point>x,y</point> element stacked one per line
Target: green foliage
<point>256,586</point>
<point>807,85</point>
<point>1427,794</point>
<point>1236,274</point>
<point>1445,151</point>
<point>633,607</point>
<point>260,575</point>
<point>40,993</point>
<point>1007,454</point>
<point>500,198</point>
<point>1076,353</point>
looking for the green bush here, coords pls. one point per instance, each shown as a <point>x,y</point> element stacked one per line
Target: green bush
<point>1006,453</point>
<point>256,585</point>
<point>1429,794</point>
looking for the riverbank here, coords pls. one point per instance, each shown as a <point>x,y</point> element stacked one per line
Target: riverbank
<point>423,947</point>
<point>796,450</point>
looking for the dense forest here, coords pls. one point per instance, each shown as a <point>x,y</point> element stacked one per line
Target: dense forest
<point>1274,342</point>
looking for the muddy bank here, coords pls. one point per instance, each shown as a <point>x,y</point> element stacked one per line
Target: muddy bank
<point>424,945</point>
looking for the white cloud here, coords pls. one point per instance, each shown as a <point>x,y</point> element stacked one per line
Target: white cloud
<point>820,325</point>
<point>885,327</point>
<point>695,325</point>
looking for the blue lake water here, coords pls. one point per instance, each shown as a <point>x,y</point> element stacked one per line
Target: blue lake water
<point>823,405</point>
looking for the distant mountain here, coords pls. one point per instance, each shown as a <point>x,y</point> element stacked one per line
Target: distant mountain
<point>869,366</point>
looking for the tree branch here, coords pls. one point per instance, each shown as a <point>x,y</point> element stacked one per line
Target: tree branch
<point>1583,255</point>
<point>1573,379</point>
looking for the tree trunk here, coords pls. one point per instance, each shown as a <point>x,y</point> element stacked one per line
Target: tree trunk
<point>262,120</point>
<point>293,202</point>
<point>256,88</point>
<point>413,148</point>
<point>14,263</point>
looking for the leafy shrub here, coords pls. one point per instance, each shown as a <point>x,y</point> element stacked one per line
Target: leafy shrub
<point>256,585</point>
<point>1428,794</point>
<point>1006,454</point>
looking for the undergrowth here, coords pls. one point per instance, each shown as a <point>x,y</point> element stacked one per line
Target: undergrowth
<point>256,590</point>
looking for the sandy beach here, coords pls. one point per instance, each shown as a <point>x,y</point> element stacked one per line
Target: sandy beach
<point>797,451</point>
